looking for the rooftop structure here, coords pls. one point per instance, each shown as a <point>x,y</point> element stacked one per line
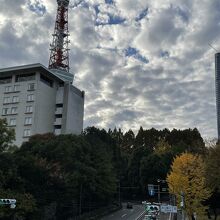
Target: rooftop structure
<point>59,56</point>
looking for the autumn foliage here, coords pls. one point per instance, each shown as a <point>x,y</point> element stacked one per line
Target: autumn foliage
<point>187,177</point>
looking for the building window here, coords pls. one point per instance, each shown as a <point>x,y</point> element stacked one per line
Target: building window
<point>59,105</point>
<point>12,122</point>
<point>29,109</point>
<point>5,80</point>
<point>16,88</point>
<point>14,110</point>
<point>8,89</point>
<point>30,97</point>
<point>15,99</point>
<point>31,86</point>
<point>28,121</point>
<point>6,100</point>
<point>5,111</point>
<point>27,132</point>
<point>57,126</point>
<point>46,80</point>
<point>25,77</point>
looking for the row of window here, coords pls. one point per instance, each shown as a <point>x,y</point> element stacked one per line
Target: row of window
<point>27,121</point>
<point>14,110</point>
<point>18,78</point>
<point>15,99</point>
<point>24,77</point>
<point>16,88</point>
<point>9,111</point>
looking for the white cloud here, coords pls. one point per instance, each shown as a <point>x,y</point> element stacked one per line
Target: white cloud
<point>175,89</point>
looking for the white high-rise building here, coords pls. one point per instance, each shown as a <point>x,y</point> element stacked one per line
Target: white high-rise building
<point>37,100</point>
<point>217,86</point>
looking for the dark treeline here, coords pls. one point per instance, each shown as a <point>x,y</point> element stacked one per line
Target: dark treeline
<point>60,177</point>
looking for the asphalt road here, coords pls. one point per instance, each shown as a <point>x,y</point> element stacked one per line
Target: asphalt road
<point>132,214</point>
<point>162,216</point>
<point>126,214</point>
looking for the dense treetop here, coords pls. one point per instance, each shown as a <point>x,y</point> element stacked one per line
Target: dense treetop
<point>75,174</point>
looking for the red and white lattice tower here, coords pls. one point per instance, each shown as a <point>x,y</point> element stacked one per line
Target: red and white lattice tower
<point>59,55</point>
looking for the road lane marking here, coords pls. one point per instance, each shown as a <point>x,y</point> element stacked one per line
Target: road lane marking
<point>140,215</point>
<point>123,215</point>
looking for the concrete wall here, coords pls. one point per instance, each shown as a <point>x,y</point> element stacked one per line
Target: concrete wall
<point>73,110</point>
<point>59,97</point>
<point>45,107</point>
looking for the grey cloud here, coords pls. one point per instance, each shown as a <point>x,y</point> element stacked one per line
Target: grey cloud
<point>126,115</point>
<point>174,91</point>
<point>164,30</point>
<point>13,48</point>
<point>12,7</point>
<point>211,26</point>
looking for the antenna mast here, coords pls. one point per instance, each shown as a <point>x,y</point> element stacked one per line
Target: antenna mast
<point>59,55</point>
<point>213,47</point>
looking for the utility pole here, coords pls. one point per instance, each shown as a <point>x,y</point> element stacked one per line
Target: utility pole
<point>119,194</point>
<point>158,188</point>
<point>80,201</point>
<point>182,204</point>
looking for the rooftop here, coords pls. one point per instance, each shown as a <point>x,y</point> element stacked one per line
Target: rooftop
<point>58,74</point>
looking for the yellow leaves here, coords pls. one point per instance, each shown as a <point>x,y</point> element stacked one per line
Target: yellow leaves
<point>162,147</point>
<point>188,176</point>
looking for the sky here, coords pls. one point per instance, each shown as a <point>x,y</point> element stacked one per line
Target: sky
<point>140,62</point>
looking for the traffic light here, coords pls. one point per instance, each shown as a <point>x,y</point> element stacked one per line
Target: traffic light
<point>11,202</point>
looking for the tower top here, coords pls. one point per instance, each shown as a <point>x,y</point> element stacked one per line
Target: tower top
<point>65,3</point>
<point>59,55</point>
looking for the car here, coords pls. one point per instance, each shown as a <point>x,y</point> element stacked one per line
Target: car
<point>129,205</point>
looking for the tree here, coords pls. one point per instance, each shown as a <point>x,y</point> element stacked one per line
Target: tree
<point>63,170</point>
<point>213,164</point>
<point>7,135</point>
<point>128,141</point>
<point>152,167</point>
<point>140,139</point>
<point>213,176</point>
<point>188,176</point>
<point>190,137</point>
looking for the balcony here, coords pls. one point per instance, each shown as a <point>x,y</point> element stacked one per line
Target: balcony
<point>59,111</point>
<point>58,121</point>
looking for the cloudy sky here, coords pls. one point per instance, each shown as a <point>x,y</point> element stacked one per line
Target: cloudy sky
<point>140,62</point>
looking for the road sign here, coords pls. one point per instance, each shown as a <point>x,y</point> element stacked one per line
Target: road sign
<point>168,209</point>
<point>151,190</point>
<point>13,206</point>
